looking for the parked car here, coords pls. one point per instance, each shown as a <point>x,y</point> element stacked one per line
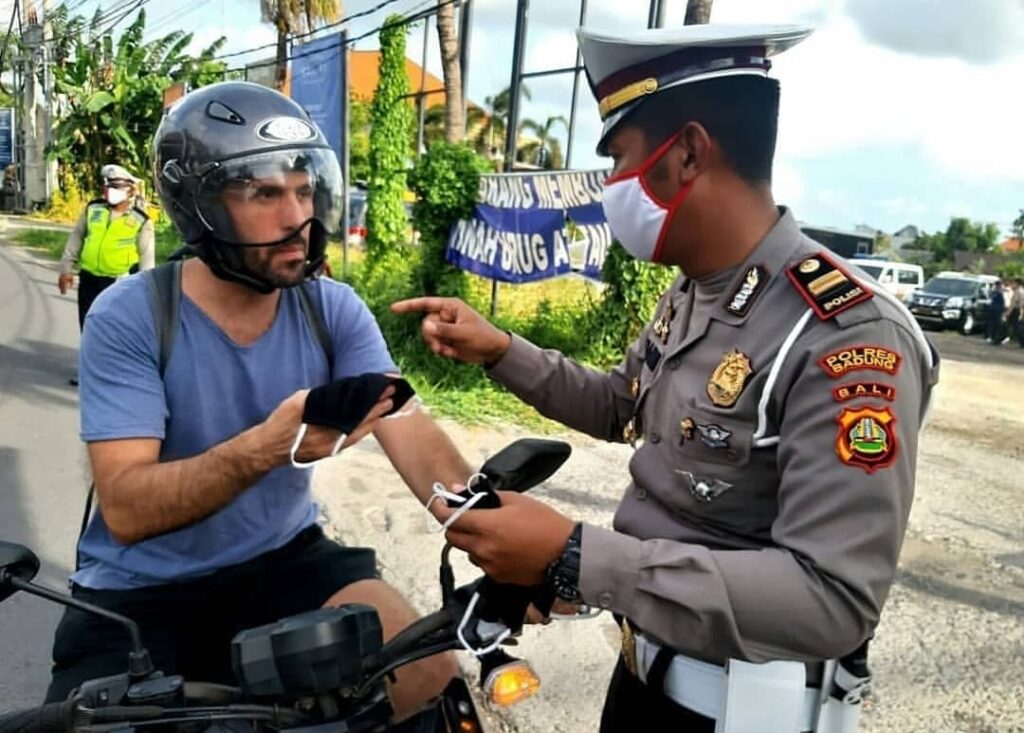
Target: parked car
<point>357,218</point>
<point>899,278</point>
<point>954,300</point>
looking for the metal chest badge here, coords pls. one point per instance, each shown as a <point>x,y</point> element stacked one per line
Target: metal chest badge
<point>629,648</point>
<point>663,325</point>
<point>729,378</point>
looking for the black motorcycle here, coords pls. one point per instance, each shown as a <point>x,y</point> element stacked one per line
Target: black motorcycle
<point>323,671</point>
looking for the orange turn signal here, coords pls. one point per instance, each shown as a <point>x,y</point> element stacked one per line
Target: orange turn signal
<point>511,683</point>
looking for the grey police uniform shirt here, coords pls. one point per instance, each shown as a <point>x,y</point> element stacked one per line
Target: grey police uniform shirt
<point>763,522</point>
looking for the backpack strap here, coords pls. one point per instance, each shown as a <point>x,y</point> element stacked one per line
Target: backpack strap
<point>316,323</point>
<point>164,284</point>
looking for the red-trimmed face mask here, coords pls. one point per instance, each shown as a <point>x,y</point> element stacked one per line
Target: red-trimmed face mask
<point>637,217</point>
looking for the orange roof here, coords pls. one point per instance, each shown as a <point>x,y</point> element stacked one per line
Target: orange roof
<point>1013,244</point>
<point>363,67</point>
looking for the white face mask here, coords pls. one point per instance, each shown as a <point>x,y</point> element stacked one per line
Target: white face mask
<point>637,217</point>
<point>116,196</point>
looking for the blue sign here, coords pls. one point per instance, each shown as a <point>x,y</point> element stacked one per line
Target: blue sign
<point>534,226</point>
<point>6,137</point>
<point>318,76</point>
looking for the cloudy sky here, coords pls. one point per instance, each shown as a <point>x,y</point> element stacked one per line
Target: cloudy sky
<point>893,112</point>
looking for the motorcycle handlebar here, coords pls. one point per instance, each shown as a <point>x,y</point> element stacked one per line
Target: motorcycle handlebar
<point>54,717</point>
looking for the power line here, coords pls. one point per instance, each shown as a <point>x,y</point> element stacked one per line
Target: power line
<point>296,37</point>
<point>410,20</point>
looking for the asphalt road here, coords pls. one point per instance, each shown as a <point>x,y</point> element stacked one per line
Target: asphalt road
<point>42,478</point>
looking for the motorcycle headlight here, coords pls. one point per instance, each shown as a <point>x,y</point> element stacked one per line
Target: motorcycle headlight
<point>955,302</point>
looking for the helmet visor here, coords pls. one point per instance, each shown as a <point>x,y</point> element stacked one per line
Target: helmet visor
<point>265,197</point>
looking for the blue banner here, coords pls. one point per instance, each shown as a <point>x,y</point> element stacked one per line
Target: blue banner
<point>534,226</point>
<point>6,137</point>
<point>318,74</point>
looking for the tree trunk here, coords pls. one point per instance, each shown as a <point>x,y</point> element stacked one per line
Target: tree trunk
<point>281,68</point>
<point>454,122</point>
<point>698,11</point>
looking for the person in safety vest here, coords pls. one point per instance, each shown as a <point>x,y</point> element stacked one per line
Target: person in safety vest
<point>112,238</point>
<point>773,401</point>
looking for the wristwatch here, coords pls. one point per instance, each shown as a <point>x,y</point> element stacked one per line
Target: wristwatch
<point>563,574</point>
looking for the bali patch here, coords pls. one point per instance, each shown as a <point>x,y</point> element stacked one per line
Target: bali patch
<point>877,390</point>
<point>867,437</point>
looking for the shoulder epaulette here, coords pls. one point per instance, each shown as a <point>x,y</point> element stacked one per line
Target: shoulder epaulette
<point>99,202</point>
<point>826,286</point>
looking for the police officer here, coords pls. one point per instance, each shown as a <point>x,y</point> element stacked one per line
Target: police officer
<point>774,403</point>
<point>112,237</point>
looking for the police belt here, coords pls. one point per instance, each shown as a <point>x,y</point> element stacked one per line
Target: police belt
<point>696,685</point>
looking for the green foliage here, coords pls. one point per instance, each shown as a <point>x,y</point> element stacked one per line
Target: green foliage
<point>627,304</point>
<point>1013,269</point>
<point>390,141</point>
<point>113,93</point>
<point>359,139</point>
<point>446,180</point>
<point>961,235</point>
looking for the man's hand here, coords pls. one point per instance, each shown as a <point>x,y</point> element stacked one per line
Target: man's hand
<point>278,431</point>
<point>453,329</point>
<point>64,282</point>
<point>515,542</point>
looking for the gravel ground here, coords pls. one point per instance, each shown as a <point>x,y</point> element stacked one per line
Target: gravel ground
<point>949,652</point>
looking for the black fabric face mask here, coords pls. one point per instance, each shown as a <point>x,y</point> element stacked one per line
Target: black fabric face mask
<point>345,403</point>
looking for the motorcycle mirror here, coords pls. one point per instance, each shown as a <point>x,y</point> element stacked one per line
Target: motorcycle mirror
<point>16,561</point>
<point>524,463</point>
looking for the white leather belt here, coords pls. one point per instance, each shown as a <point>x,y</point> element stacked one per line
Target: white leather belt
<point>701,687</point>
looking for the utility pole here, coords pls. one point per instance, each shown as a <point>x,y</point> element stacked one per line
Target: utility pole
<point>36,120</point>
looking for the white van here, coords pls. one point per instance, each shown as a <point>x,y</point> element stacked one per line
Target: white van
<point>899,278</point>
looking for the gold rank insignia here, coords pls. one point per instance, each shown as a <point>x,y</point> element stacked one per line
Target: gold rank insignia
<point>729,378</point>
<point>628,648</point>
<point>663,325</point>
<point>687,426</point>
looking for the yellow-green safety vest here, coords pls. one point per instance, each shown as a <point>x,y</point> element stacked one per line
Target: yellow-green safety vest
<point>111,247</point>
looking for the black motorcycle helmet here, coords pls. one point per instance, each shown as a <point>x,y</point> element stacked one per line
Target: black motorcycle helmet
<point>231,133</point>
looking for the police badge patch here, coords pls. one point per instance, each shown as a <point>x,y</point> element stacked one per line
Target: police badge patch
<point>867,437</point>
<point>729,379</point>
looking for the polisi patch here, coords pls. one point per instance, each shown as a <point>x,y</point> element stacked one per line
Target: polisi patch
<point>826,286</point>
<point>877,358</point>
<point>750,287</point>
<point>877,390</point>
<point>867,438</point>
<point>285,130</point>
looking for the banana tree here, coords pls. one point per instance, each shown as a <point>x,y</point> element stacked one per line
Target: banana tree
<point>110,95</point>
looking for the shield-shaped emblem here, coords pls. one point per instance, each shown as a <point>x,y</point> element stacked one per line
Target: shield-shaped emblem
<point>729,379</point>
<point>866,438</point>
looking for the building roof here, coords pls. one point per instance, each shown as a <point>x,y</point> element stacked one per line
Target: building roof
<point>363,67</point>
<point>1013,244</point>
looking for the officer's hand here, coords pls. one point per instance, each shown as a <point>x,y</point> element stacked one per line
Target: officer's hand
<point>453,329</point>
<point>64,282</point>
<point>279,430</point>
<point>515,542</point>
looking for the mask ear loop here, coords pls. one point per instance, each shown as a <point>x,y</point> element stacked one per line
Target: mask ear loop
<point>298,441</point>
<point>440,492</point>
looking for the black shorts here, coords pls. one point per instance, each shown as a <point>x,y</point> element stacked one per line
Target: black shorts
<point>187,627</point>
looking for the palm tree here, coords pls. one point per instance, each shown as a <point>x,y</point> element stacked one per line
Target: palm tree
<point>292,17</point>
<point>547,150</point>
<point>492,123</point>
<point>454,124</point>
<point>698,11</point>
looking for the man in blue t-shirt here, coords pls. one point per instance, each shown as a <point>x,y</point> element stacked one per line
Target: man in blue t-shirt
<point>206,522</point>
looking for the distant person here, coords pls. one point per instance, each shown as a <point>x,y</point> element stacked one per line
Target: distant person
<point>1013,315</point>
<point>996,313</point>
<point>112,238</point>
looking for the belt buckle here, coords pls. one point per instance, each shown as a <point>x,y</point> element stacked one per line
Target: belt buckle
<point>629,649</point>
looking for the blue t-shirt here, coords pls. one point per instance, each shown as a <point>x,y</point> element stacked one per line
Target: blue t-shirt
<point>212,390</point>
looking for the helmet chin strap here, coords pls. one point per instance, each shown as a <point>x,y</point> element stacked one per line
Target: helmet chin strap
<point>224,260</point>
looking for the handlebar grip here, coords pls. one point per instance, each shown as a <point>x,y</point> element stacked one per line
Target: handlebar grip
<point>54,717</point>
